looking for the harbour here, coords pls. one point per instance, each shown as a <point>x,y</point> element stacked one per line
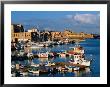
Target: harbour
<point>57,63</point>
<point>55,44</point>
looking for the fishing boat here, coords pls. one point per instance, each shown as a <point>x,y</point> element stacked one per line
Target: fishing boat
<point>70,69</point>
<point>30,54</point>
<point>36,45</point>
<point>73,68</point>
<point>34,71</point>
<point>79,60</point>
<point>34,68</point>
<point>43,55</point>
<point>50,64</point>
<point>76,50</point>
<point>24,73</point>
<point>78,55</point>
<point>85,63</point>
<point>13,74</point>
<point>76,68</point>
<point>47,43</point>
<point>40,45</point>
<point>34,65</point>
<point>13,66</point>
<point>62,55</point>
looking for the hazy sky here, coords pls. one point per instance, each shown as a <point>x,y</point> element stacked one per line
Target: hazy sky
<point>78,21</point>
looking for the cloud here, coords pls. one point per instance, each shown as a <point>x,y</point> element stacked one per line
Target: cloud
<point>87,18</point>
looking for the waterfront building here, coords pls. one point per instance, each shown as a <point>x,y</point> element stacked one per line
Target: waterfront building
<point>45,36</point>
<point>17,28</point>
<point>35,36</point>
<point>56,36</point>
<point>73,35</point>
<point>39,36</point>
<point>18,33</point>
<point>84,35</point>
<point>21,36</point>
<point>89,36</point>
<point>32,35</point>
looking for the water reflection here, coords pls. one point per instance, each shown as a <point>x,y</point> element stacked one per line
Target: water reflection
<point>43,59</point>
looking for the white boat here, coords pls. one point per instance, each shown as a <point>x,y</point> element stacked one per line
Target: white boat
<point>35,65</point>
<point>81,61</point>
<point>34,71</point>
<point>13,74</point>
<point>40,45</point>
<point>79,56</point>
<point>36,45</point>
<point>62,55</point>
<point>21,53</point>
<point>76,68</point>
<point>87,70</point>
<point>50,64</point>
<point>24,73</point>
<point>28,45</point>
<point>46,44</point>
<point>13,66</point>
<point>30,54</point>
<point>70,69</point>
<point>85,63</point>
<point>43,55</point>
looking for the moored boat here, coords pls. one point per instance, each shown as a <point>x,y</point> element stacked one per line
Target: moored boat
<point>79,57</point>
<point>43,55</point>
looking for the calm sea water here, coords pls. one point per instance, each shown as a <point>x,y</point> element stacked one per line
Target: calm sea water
<point>92,51</point>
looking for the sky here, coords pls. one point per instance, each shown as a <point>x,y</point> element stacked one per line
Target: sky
<point>77,21</point>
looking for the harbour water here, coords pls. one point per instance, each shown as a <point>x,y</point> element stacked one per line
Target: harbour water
<point>92,51</point>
